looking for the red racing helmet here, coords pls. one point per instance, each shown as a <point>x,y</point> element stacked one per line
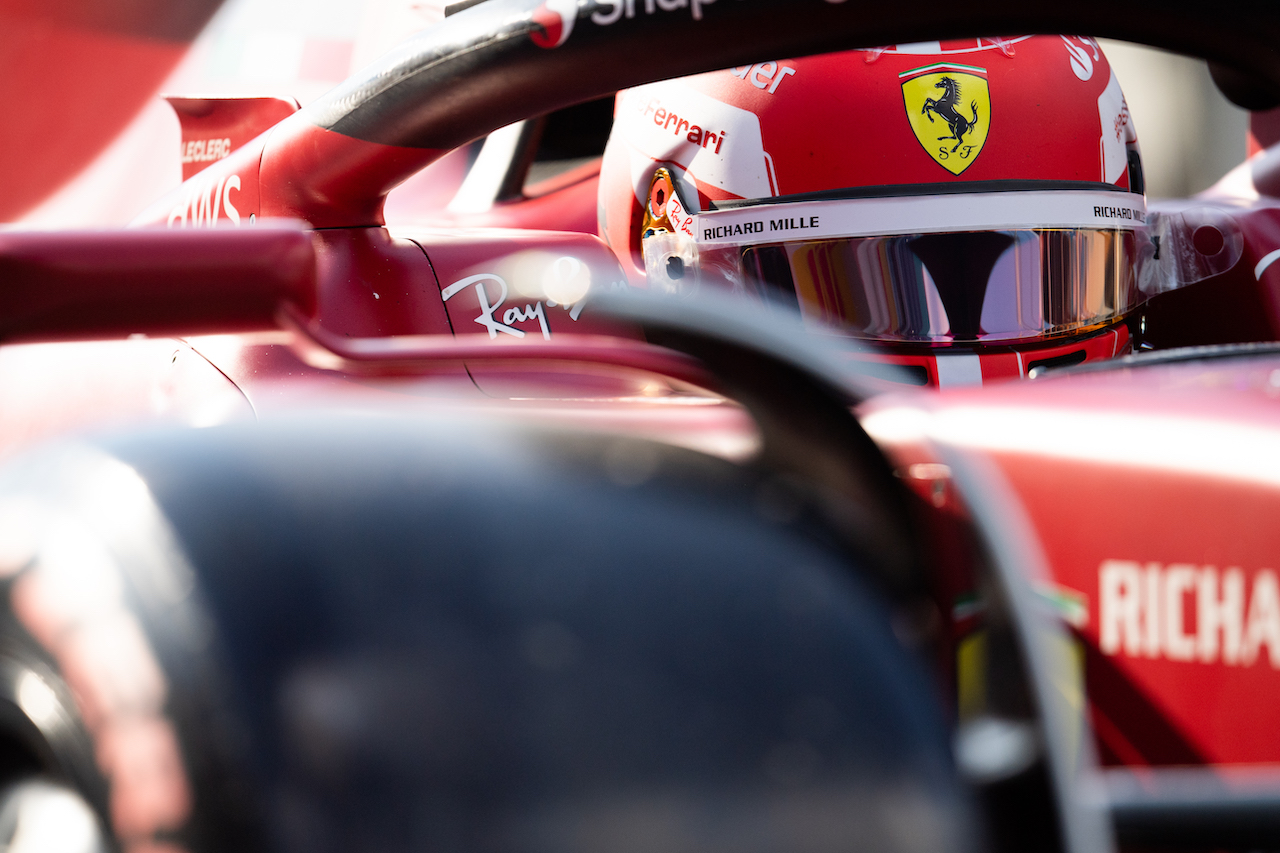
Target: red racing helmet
<point>978,199</point>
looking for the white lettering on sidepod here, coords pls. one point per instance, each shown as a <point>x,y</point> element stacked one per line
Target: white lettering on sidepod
<point>1146,610</point>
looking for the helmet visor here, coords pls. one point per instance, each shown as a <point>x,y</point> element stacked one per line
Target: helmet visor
<point>934,269</point>
<point>980,286</point>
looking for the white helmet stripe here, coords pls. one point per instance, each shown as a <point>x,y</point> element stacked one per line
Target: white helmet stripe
<point>925,214</point>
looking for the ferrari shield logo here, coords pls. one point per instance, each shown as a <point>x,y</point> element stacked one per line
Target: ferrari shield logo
<point>949,107</point>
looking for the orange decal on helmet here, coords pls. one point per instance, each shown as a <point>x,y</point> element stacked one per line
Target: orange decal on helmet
<point>663,211</point>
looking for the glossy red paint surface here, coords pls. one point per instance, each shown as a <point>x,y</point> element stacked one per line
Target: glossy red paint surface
<point>223,193</point>
<point>359,319</point>
<point>329,179</point>
<point>214,127</point>
<point>557,205</point>
<point>503,286</point>
<point>1147,489</point>
<point>535,359</point>
<point>372,284</point>
<point>522,271</point>
<point>294,170</point>
<point>65,388</point>
<point>66,285</point>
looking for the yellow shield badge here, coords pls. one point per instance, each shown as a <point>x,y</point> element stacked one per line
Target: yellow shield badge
<point>949,107</point>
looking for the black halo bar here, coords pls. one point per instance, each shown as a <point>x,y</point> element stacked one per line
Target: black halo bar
<point>480,68</point>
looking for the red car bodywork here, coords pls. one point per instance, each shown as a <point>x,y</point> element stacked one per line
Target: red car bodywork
<point>1151,487</point>
<point>1152,493</point>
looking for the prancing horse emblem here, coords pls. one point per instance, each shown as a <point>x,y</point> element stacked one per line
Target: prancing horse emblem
<point>945,108</point>
<point>967,123</point>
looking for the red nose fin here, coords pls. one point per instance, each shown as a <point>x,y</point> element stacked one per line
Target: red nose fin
<point>214,127</point>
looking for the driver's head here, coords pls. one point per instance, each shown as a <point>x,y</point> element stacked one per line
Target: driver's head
<point>973,198</point>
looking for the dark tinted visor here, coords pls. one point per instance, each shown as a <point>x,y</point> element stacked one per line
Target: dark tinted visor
<point>980,286</point>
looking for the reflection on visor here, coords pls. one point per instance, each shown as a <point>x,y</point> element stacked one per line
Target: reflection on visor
<point>984,286</point>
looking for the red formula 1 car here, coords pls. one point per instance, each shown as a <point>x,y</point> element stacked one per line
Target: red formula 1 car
<point>433,535</point>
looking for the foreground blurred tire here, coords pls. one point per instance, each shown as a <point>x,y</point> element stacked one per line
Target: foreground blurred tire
<point>391,635</point>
